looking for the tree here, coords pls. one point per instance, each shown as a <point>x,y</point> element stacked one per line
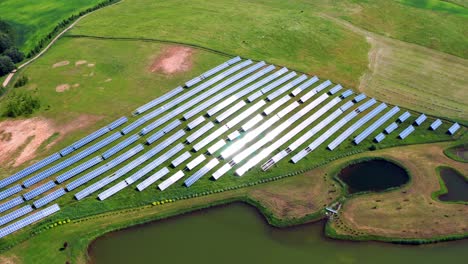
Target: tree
<point>15,54</point>
<point>6,65</point>
<point>21,103</point>
<point>5,42</point>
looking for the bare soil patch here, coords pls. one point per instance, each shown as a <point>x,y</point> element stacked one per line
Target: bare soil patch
<point>62,88</point>
<point>19,132</point>
<point>80,62</point>
<point>91,65</point>
<point>173,60</point>
<point>9,260</point>
<point>60,64</point>
<point>76,85</point>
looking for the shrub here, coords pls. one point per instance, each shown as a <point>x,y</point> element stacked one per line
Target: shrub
<point>22,81</point>
<point>21,103</point>
<point>6,65</point>
<point>5,42</point>
<point>15,54</point>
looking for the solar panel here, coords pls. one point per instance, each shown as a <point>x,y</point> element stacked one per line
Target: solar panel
<point>196,122</point>
<point>233,135</point>
<point>287,109</point>
<point>335,89</point>
<point>195,162</point>
<point>10,191</point>
<point>245,114</point>
<point>66,151</point>
<point>220,96</point>
<point>366,105</point>
<point>176,102</point>
<point>28,220</point>
<point>436,124</point>
<point>29,170</point>
<point>155,163</point>
<point>200,132</point>
<point>346,93</point>
<point>314,91</point>
<point>171,180</point>
<point>364,134</point>
<point>453,128</point>
<point>230,111</point>
<point>186,155</point>
<point>39,190</point>
<point>391,128</point>
<point>79,169</point>
<point>221,67</point>
<point>117,123</point>
<point>177,135</point>
<point>221,171</point>
<point>346,106</point>
<point>222,105</point>
<point>406,132</point>
<point>115,149</point>
<point>11,203</point>
<point>420,119</point>
<point>204,170</point>
<point>271,86</point>
<point>104,168</point>
<point>159,100</point>
<point>252,122</point>
<point>72,160</point>
<point>379,137</point>
<point>80,143</point>
<point>112,190</point>
<point>270,109</point>
<point>15,214</point>
<point>216,146</point>
<point>152,179</point>
<point>166,129</point>
<point>359,98</point>
<point>286,87</point>
<point>49,198</point>
<point>217,133</point>
<point>358,124</point>
<point>304,86</point>
<point>404,116</point>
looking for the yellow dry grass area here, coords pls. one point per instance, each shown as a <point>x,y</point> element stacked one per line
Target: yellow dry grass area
<point>413,76</point>
<point>409,212</point>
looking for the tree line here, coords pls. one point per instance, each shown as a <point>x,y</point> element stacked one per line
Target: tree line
<point>9,53</point>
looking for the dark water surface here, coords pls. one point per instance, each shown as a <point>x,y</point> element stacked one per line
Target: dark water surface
<point>238,234</point>
<point>373,175</point>
<point>457,186</point>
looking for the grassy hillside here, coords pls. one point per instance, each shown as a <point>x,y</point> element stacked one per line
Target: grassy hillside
<point>33,20</point>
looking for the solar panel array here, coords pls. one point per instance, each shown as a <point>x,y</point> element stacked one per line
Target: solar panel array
<point>49,198</point>
<point>176,162</point>
<point>10,204</point>
<point>436,124</point>
<point>406,132</point>
<point>115,149</point>
<point>80,143</point>
<point>159,100</point>
<point>376,125</point>
<point>171,180</point>
<point>271,86</point>
<point>195,162</point>
<point>359,98</point>
<point>314,91</point>
<point>379,137</point>
<point>390,128</point>
<point>286,87</point>
<point>346,93</point>
<point>117,123</point>
<point>335,89</point>
<point>15,214</point>
<point>200,173</point>
<point>420,119</point>
<point>454,128</point>
<point>207,140</point>
<point>196,122</point>
<point>272,107</point>
<point>28,220</point>
<point>78,169</point>
<point>194,136</point>
<point>152,179</point>
<point>218,145</point>
<point>404,116</point>
<point>39,190</point>
<point>10,191</point>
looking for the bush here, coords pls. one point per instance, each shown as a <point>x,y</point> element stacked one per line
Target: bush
<point>6,65</point>
<point>21,103</point>
<point>15,54</point>
<point>22,81</point>
<point>5,42</point>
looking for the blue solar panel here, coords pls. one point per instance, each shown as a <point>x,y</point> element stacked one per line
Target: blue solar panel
<point>39,190</point>
<point>104,168</point>
<point>404,116</point>
<point>10,191</point>
<point>11,203</point>
<point>359,98</point>
<point>420,119</point>
<point>286,87</point>
<point>335,89</point>
<point>29,170</point>
<point>159,100</point>
<point>66,151</point>
<point>72,160</point>
<point>28,220</point>
<point>391,128</point>
<point>15,214</point>
<point>79,169</point>
<point>406,132</point>
<point>120,146</point>
<point>379,137</point>
<point>346,93</point>
<point>49,198</point>
<point>366,105</point>
<point>453,128</point>
<point>376,124</point>
<point>117,123</point>
<point>80,143</point>
<point>436,124</point>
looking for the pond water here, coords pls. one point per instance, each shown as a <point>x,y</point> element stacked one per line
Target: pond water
<point>237,233</point>
<point>373,175</point>
<point>457,186</point>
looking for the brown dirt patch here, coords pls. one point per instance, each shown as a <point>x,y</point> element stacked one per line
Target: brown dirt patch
<point>80,62</point>
<point>60,64</point>
<point>9,260</point>
<point>173,60</point>
<point>91,64</point>
<point>19,132</point>
<point>62,88</point>
<point>76,85</point>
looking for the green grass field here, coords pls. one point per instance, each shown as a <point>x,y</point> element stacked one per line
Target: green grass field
<point>301,35</point>
<point>33,20</point>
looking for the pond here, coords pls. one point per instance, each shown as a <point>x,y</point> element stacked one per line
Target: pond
<point>237,233</point>
<point>374,175</point>
<point>456,184</point>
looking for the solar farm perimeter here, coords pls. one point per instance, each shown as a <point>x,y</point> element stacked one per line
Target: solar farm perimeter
<point>238,123</point>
